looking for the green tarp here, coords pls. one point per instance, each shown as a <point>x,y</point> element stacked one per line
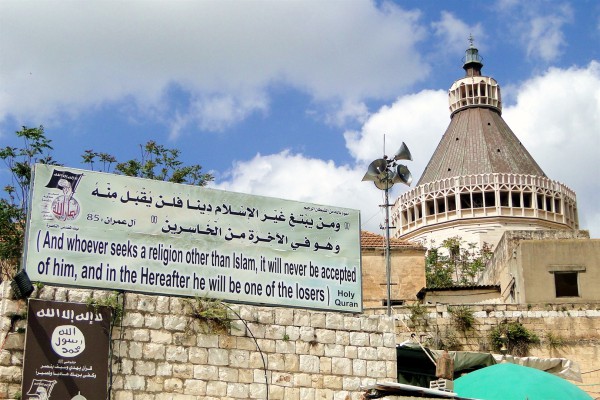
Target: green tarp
<point>515,382</point>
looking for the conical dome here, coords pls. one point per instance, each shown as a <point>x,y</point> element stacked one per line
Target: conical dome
<point>480,181</point>
<point>478,141</point>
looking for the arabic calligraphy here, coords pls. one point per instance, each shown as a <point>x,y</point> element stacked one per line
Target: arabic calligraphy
<point>298,220</point>
<point>221,209</point>
<point>132,229</point>
<point>66,370</point>
<point>70,315</point>
<point>67,340</point>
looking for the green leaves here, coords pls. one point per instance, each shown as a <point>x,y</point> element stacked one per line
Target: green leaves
<point>518,338</point>
<point>157,162</point>
<point>453,264</point>
<point>13,208</point>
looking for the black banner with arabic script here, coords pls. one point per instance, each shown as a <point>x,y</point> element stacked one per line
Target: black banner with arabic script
<point>66,351</point>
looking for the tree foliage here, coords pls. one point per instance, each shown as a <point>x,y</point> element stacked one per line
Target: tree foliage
<point>13,207</point>
<point>517,339</point>
<point>157,162</point>
<point>454,264</point>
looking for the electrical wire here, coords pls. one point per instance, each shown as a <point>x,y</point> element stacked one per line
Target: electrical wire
<point>111,377</point>
<point>594,370</point>
<point>262,356</point>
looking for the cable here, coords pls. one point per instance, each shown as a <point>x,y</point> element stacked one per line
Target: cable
<point>262,356</point>
<point>594,370</point>
<point>111,344</point>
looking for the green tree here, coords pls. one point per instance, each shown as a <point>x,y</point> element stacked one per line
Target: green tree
<point>436,272</point>
<point>13,207</point>
<point>157,162</point>
<point>453,264</point>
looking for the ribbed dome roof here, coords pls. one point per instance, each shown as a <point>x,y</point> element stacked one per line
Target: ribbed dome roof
<point>478,141</point>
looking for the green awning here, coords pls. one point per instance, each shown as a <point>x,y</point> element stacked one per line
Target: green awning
<point>514,382</point>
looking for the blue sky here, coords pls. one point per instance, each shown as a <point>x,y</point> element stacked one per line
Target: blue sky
<point>292,99</point>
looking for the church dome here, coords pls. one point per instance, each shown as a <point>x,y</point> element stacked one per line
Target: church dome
<point>480,180</point>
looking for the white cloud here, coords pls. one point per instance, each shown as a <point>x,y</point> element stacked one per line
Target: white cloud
<point>538,27</point>
<point>296,177</point>
<point>419,120</point>
<point>219,112</point>
<point>349,111</point>
<point>452,33</point>
<point>545,37</point>
<point>557,117</point>
<point>70,56</point>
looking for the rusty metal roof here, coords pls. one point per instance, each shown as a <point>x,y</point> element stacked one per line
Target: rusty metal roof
<point>478,141</point>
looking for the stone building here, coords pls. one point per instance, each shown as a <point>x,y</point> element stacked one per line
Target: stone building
<point>407,266</point>
<point>546,267</point>
<point>480,181</point>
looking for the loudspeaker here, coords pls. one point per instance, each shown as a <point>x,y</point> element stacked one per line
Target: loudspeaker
<point>21,285</point>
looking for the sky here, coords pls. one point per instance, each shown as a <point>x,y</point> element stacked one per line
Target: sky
<point>293,99</point>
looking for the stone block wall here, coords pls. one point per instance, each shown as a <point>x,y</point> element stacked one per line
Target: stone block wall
<point>304,355</point>
<point>159,353</point>
<point>569,331</point>
<point>407,265</point>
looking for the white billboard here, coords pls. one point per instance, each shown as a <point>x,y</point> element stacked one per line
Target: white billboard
<point>108,231</point>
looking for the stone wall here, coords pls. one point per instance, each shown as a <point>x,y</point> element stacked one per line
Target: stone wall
<point>161,354</point>
<point>307,354</point>
<point>407,265</point>
<point>569,331</point>
<point>502,263</point>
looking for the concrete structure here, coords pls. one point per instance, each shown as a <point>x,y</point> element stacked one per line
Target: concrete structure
<point>476,294</point>
<point>549,267</point>
<point>407,266</point>
<point>293,354</point>
<point>480,181</point>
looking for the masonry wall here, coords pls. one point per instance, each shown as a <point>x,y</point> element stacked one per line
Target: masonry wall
<point>308,354</point>
<point>160,353</point>
<point>566,331</point>
<point>503,267</point>
<point>407,267</point>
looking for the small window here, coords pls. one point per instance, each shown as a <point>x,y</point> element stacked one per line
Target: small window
<point>540,202</point>
<point>477,200</point>
<point>566,284</point>
<point>504,199</point>
<point>527,200</point>
<point>393,302</point>
<point>430,207</point>
<point>516,199</point>
<point>451,203</point>
<point>465,201</point>
<point>490,199</point>
<point>441,206</point>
